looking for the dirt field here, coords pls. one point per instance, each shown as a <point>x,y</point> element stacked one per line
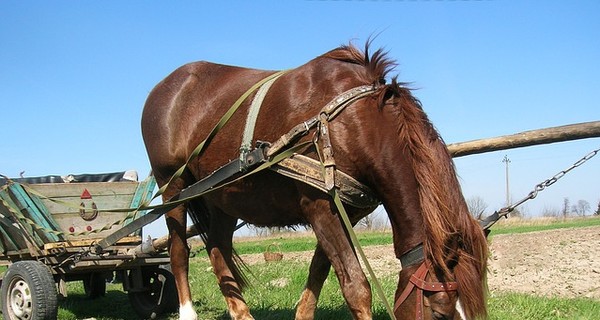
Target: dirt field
<point>564,262</point>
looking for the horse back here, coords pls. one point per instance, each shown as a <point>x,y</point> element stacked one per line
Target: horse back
<point>182,109</point>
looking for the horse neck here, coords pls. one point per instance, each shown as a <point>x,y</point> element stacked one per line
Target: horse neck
<point>400,198</point>
<point>384,163</point>
<point>414,177</point>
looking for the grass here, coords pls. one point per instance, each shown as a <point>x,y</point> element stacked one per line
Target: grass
<point>525,307</point>
<point>513,225</point>
<point>277,286</point>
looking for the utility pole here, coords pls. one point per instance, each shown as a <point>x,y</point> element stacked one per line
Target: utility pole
<point>506,160</point>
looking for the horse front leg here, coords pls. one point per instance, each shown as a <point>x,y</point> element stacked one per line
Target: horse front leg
<point>317,274</point>
<point>229,276</point>
<point>331,236</point>
<point>179,256</point>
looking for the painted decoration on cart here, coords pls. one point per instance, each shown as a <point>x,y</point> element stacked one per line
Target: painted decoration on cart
<point>84,213</point>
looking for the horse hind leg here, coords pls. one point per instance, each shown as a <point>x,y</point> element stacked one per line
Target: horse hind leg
<point>179,256</point>
<point>229,276</point>
<point>317,274</point>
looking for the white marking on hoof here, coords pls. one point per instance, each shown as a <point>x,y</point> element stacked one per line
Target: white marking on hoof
<point>187,312</point>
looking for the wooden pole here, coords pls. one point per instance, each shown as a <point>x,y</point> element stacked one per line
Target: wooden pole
<point>527,138</point>
<point>159,245</point>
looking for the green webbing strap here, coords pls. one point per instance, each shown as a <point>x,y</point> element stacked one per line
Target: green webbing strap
<point>253,116</point>
<point>224,119</point>
<point>340,206</point>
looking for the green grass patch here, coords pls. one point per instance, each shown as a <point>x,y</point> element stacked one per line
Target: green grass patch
<point>524,307</point>
<point>304,242</point>
<point>275,289</point>
<point>532,225</point>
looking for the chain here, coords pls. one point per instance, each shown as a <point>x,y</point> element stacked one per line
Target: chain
<point>548,182</point>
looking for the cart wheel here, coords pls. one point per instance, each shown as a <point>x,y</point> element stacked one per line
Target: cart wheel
<point>29,292</point>
<point>158,295</point>
<point>95,285</point>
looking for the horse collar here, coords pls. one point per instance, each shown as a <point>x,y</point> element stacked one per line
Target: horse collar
<point>413,256</point>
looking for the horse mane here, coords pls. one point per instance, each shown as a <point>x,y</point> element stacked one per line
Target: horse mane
<point>377,66</point>
<point>450,231</point>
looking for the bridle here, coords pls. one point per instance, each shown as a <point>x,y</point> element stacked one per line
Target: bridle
<point>419,283</point>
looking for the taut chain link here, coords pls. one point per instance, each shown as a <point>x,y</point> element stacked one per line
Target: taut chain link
<point>548,182</point>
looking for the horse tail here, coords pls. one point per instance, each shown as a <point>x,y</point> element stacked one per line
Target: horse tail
<point>201,218</point>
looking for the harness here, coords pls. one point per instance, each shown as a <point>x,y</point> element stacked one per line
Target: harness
<point>418,281</point>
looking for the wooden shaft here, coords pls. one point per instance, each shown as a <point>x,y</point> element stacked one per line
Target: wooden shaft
<point>527,138</point>
<point>159,244</point>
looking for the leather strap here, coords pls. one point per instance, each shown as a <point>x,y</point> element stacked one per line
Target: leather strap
<point>310,171</point>
<point>331,110</point>
<point>414,256</point>
<point>417,280</point>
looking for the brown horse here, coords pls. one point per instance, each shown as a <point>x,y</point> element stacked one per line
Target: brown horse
<point>383,140</point>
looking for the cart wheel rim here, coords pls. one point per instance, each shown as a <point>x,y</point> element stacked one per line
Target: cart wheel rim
<point>21,301</point>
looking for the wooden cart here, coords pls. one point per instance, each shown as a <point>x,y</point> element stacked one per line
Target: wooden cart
<point>47,225</point>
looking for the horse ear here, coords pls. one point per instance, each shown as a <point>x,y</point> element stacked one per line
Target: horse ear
<point>387,92</point>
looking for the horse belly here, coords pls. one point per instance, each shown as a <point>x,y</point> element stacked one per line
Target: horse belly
<point>267,199</point>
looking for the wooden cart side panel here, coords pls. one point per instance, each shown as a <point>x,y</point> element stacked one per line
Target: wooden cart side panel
<point>8,231</point>
<point>66,198</point>
<point>20,233</point>
<point>36,212</point>
<point>65,201</point>
<point>143,194</point>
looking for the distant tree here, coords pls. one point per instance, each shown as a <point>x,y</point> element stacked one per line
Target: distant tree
<point>269,231</point>
<point>598,209</point>
<point>476,206</point>
<point>367,222</point>
<point>520,212</point>
<point>565,210</point>
<point>550,212</point>
<point>374,221</point>
<point>581,208</point>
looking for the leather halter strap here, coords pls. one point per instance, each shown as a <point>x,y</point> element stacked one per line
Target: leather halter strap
<point>417,280</point>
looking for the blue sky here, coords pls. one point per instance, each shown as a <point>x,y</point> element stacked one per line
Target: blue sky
<point>74,75</point>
